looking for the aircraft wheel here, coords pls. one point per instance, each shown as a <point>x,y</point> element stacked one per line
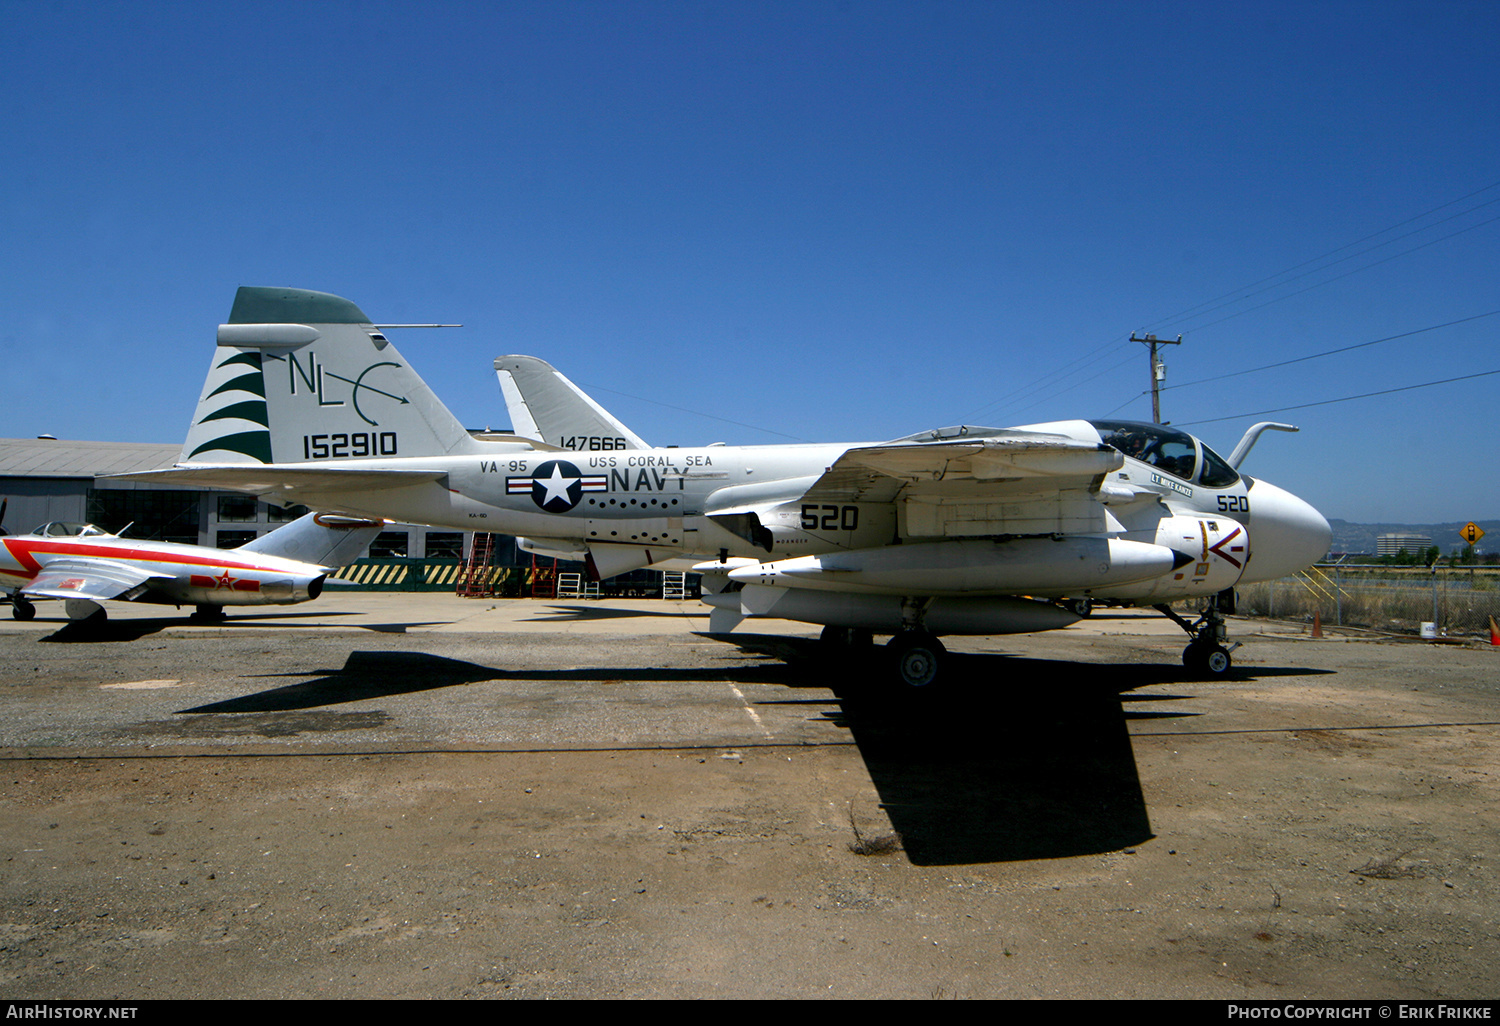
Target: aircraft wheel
<point>1083,607</point>
<point>22,609</point>
<point>206,613</point>
<point>1216,661</point>
<point>918,657</point>
<point>834,637</point>
<point>837,638</point>
<point>1211,660</point>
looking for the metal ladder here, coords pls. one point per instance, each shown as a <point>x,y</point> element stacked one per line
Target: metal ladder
<point>575,587</point>
<point>474,573</point>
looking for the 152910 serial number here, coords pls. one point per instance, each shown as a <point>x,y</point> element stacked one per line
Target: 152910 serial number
<point>351,445</point>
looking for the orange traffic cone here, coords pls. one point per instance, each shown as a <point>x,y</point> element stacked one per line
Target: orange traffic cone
<point>1317,625</point>
<point>1494,632</point>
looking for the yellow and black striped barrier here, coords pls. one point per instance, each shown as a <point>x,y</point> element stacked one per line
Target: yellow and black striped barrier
<point>440,575</point>
<point>497,581</point>
<point>399,574</point>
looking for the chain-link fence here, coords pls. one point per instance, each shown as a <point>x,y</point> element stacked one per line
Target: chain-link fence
<point>1458,600</point>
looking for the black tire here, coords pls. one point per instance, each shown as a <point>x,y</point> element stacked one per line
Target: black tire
<point>1083,607</point>
<point>20,609</point>
<point>1207,660</point>
<point>834,637</point>
<point>917,660</point>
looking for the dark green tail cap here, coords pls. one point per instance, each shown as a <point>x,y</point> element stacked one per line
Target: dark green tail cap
<point>259,305</point>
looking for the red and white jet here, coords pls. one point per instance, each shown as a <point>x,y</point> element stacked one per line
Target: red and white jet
<point>84,565</point>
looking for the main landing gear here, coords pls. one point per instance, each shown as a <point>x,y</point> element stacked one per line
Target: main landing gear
<point>916,655</point>
<point>911,662</point>
<point>1207,653</point>
<point>21,607</point>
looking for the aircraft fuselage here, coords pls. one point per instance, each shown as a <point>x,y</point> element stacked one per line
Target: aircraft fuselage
<point>657,500</point>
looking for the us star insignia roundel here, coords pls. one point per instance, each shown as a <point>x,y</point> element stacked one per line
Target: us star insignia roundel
<point>556,486</point>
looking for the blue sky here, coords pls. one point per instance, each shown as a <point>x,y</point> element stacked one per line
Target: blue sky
<point>812,221</point>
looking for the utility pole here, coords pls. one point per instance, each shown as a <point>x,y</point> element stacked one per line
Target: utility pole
<point>1158,370</point>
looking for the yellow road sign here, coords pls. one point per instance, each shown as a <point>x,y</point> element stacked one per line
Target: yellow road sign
<point>1471,533</point>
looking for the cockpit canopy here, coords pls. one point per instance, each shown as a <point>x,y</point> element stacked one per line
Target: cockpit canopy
<point>1168,450</point>
<point>64,529</point>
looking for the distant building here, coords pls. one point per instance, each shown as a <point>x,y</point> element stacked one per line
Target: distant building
<point>1391,544</point>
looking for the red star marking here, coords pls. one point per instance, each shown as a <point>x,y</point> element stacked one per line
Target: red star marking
<point>224,580</point>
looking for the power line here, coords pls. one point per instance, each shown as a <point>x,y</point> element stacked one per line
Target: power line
<point>1078,366</point>
<point>1198,309</point>
<point>1208,306</point>
<point>1107,370</point>
<point>1345,399</point>
<point>1346,274</point>
<point>695,413</point>
<point>1330,352</point>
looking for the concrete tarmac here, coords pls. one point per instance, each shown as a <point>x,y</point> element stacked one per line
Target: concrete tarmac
<point>416,795</point>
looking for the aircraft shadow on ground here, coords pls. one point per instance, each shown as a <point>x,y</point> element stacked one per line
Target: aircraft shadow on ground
<point>573,614</point>
<point>1015,759</point>
<point>76,632</point>
<point>135,628</point>
<point>367,675</point>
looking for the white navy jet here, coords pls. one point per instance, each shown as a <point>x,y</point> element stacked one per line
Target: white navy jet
<point>962,530</point>
<point>84,565</point>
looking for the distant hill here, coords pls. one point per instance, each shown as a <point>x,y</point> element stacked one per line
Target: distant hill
<point>1349,537</point>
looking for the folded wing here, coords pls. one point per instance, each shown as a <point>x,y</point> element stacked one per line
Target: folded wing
<point>1007,483</point>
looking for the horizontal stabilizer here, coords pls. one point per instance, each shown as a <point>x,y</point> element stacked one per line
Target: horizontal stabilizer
<point>280,478</point>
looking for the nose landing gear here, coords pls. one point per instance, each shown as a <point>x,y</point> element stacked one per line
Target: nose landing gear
<point>1207,654</point>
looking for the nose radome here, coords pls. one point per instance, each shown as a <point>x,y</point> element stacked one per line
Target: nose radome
<point>1286,534</point>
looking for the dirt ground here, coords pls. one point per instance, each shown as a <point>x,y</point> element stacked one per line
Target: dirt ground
<point>282,809</point>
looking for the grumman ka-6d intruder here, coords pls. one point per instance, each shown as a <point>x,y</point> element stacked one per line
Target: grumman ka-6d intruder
<point>962,530</point>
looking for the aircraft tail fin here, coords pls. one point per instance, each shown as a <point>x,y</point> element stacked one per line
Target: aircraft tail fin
<point>300,376</point>
<point>545,405</point>
<point>319,538</point>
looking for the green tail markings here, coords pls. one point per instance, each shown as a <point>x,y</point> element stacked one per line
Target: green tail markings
<point>253,382</point>
<point>301,376</point>
<point>252,410</point>
<point>255,444</point>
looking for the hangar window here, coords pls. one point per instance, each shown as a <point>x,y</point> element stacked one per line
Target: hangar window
<point>445,544</point>
<point>237,509</point>
<point>285,514</point>
<point>232,539</point>
<point>390,545</point>
<point>160,515</point>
